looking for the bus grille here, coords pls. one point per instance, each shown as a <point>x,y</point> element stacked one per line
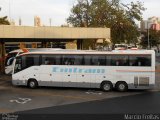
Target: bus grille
<point>141,81</point>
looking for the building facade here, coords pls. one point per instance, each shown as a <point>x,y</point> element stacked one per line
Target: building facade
<point>69,37</point>
<point>152,23</point>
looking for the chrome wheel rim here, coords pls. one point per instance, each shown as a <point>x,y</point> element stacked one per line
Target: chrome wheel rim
<point>121,86</point>
<point>107,87</point>
<point>32,84</point>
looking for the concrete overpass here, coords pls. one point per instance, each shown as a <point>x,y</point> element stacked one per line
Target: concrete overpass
<point>45,34</point>
<point>8,33</point>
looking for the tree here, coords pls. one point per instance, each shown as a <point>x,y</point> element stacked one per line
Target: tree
<point>154,39</point>
<point>4,21</point>
<point>108,13</point>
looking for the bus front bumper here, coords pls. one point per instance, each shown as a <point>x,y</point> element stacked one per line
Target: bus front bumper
<point>19,82</point>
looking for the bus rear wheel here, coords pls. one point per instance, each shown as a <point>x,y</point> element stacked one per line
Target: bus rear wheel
<point>106,86</point>
<point>32,83</point>
<point>121,86</point>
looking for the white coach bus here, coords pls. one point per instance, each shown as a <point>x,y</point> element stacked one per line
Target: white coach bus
<point>123,70</point>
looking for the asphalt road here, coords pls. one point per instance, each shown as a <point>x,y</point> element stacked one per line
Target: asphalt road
<point>13,99</point>
<point>146,104</point>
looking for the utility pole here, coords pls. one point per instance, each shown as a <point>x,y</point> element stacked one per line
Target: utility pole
<point>50,22</point>
<point>20,21</point>
<point>148,35</point>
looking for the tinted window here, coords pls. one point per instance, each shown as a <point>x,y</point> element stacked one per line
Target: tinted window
<point>140,60</point>
<point>87,60</point>
<point>98,60</point>
<point>10,55</point>
<point>18,65</point>
<point>119,60</point>
<point>108,60</point>
<point>78,59</point>
<point>51,59</point>
<point>72,60</point>
<point>10,61</point>
<point>30,60</point>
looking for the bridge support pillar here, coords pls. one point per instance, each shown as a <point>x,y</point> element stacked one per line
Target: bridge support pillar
<point>2,57</point>
<point>44,44</point>
<point>80,44</point>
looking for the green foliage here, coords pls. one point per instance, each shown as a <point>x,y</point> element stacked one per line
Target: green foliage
<point>109,13</point>
<point>154,39</point>
<point>4,21</point>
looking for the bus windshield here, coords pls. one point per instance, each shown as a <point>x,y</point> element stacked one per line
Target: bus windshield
<point>23,62</point>
<point>18,64</point>
<point>9,56</point>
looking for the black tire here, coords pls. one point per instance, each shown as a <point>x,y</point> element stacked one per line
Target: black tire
<point>121,86</point>
<point>32,84</point>
<point>106,86</point>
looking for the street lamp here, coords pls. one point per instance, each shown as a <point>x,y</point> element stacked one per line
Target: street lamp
<point>148,34</point>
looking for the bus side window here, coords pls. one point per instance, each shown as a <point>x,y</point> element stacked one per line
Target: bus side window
<point>108,60</point>
<point>140,60</point>
<point>68,60</point>
<point>117,63</point>
<point>139,63</point>
<point>46,62</point>
<point>130,63</point>
<point>87,60</point>
<point>98,60</point>
<point>119,60</point>
<point>94,60</point>
<point>30,60</point>
<point>102,60</point>
<point>78,60</point>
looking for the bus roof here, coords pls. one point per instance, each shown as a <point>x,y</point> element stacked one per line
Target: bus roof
<point>66,51</point>
<point>33,50</point>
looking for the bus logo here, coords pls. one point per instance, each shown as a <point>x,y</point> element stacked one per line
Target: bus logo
<point>77,70</point>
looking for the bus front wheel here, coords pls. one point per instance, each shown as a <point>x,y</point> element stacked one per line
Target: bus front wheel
<point>32,83</point>
<point>121,86</point>
<point>106,86</point>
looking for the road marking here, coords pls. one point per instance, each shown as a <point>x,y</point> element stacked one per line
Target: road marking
<point>94,92</point>
<point>21,100</point>
<point>5,110</point>
<point>56,95</point>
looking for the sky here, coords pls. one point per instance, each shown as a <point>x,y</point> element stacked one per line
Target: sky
<point>56,10</point>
